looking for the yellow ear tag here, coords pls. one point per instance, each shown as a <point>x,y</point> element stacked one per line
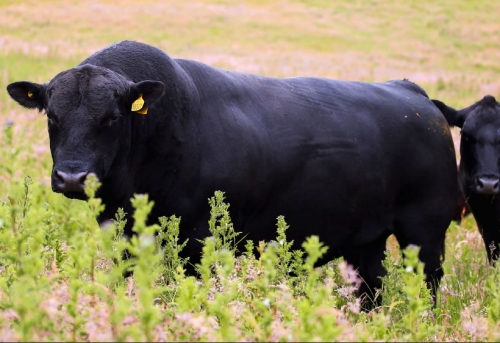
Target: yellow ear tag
<point>30,94</point>
<point>143,111</point>
<point>137,105</point>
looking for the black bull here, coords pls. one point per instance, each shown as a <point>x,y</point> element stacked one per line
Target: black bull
<point>352,162</point>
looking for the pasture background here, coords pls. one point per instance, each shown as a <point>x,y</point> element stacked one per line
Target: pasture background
<point>450,48</point>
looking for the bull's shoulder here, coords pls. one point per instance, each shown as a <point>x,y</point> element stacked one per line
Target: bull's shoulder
<point>134,60</point>
<point>126,50</point>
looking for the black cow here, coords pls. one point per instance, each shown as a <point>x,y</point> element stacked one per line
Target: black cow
<point>479,169</point>
<point>351,162</point>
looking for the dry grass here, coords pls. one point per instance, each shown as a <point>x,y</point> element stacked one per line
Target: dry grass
<point>449,47</point>
<point>428,43</point>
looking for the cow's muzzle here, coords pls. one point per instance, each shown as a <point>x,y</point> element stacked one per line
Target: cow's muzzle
<point>487,185</point>
<point>68,183</point>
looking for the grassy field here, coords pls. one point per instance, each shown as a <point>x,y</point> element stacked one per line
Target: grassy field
<point>57,281</point>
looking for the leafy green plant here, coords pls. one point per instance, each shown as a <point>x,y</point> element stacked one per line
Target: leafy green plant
<point>406,297</point>
<point>61,275</point>
<point>168,243</point>
<point>220,225</point>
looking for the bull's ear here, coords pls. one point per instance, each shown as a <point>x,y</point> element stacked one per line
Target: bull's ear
<point>453,117</point>
<point>28,94</point>
<point>144,94</point>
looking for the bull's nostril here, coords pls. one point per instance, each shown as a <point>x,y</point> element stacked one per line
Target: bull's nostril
<point>488,185</point>
<point>82,178</point>
<point>70,182</point>
<point>58,175</point>
<point>480,184</point>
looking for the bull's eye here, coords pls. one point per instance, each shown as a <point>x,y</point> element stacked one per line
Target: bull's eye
<point>109,120</point>
<point>52,119</point>
<point>465,137</point>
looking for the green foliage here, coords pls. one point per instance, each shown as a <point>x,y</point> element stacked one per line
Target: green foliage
<point>493,309</point>
<point>168,242</point>
<point>220,225</point>
<point>406,298</point>
<point>52,282</point>
<point>62,276</point>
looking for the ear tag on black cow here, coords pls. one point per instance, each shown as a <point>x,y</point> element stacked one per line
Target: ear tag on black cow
<point>143,111</point>
<point>137,106</point>
<point>30,94</point>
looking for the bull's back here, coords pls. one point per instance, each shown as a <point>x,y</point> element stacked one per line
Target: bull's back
<point>392,127</point>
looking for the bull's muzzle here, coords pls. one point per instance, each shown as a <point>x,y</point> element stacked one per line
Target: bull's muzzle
<point>69,182</point>
<point>488,185</point>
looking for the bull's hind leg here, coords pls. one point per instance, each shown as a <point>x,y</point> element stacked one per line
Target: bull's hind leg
<point>425,226</point>
<point>368,261</point>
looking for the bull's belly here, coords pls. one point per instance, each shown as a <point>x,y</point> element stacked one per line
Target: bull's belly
<point>338,220</point>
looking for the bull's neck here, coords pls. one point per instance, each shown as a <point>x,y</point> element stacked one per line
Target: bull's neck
<point>167,126</point>
<point>160,143</point>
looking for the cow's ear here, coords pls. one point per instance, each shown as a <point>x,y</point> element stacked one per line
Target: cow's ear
<point>453,117</point>
<point>28,94</point>
<point>144,94</point>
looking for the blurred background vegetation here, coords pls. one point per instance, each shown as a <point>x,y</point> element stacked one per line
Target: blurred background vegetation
<point>449,47</point>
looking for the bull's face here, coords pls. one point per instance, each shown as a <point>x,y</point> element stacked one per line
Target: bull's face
<point>89,111</point>
<point>480,146</point>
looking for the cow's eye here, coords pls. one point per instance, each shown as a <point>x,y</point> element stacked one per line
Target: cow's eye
<point>465,137</point>
<point>110,120</point>
<point>52,119</point>
<point>468,139</point>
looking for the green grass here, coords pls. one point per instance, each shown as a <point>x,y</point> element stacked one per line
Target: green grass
<point>58,280</point>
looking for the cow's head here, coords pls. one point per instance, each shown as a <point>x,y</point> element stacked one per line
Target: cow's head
<point>480,144</point>
<point>89,111</point>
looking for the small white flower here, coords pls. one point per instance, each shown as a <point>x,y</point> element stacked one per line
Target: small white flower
<point>146,240</point>
<point>267,302</point>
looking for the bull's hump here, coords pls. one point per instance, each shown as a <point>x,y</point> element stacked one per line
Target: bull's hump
<point>123,50</point>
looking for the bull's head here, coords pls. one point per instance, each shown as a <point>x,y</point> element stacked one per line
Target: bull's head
<point>89,112</point>
<point>480,144</point>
